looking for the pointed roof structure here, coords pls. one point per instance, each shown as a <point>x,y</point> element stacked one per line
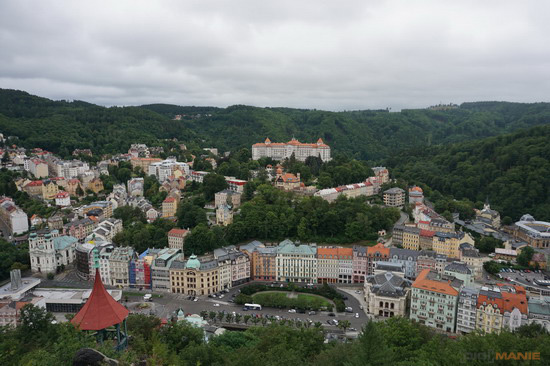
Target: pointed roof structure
<point>101,310</point>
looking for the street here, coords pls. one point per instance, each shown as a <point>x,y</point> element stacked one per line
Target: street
<point>166,306</point>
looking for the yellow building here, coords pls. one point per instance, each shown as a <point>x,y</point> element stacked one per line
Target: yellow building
<point>449,243</point>
<point>195,277</point>
<point>411,238</point>
<point>49,190</point>
<point>169,207</point>
<point>95,185</point>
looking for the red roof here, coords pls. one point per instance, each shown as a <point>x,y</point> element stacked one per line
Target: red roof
<point>34,183</point>
<point>177,232</point>
<point>424,232</point>
<point>101,310</point>
<point>169,199</point>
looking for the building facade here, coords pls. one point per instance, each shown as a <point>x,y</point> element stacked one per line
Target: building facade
<point>296,262</point>
<point>281,151</point>
<point>434,301</point>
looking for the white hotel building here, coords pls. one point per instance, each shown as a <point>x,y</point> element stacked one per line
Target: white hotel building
<point>280,151</point>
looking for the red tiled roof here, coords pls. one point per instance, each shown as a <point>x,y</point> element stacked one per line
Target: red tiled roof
<point>442,287</point>
<point>101,310</point>
<point>169,199</point>
<point>177,232</point>
<point>34,183</point>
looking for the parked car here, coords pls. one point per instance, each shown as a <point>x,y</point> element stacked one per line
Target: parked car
<point>331,314</point>
<point>357,315</point>
<point>312,313</point>
<point>147,297</point>
<point>216,304</point>
<point>291,310</point>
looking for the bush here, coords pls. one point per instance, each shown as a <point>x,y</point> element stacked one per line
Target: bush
<point>50,276</point>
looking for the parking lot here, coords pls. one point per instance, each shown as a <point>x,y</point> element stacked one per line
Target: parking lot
<point>523,277</point>
<point>166,305</point>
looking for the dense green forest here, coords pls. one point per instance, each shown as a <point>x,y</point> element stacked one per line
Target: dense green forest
<point>40,341</point>
<point>61,126</point>
<point>274,215</point>
<point>512,170</point>
<point>366,135</point>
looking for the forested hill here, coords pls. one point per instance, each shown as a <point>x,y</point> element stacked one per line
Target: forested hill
<point>61,126</point>
<point>512,170</point>
<point>367,135</point>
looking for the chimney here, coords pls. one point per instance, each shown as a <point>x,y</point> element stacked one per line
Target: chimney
<point>15,276</point>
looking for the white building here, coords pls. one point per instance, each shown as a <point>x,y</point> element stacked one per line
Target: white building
<point>281,151</point>
<point>387,294</point>
<point>13,217</point>
<point>108,228</point>
<point>48,251</point>
<point>162,170</point>
<point>467,308</point>
<point>296,263</point>
<point>135,186</point>
<point>62,199</point>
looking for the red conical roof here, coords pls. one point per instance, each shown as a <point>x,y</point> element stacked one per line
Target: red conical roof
<point>101,310</point>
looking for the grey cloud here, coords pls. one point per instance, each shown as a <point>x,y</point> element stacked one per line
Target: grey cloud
<point>311,54</point>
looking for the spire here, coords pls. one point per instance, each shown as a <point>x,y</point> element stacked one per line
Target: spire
<point>101,310</point>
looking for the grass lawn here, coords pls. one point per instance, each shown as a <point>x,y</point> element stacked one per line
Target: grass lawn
<point>278,299</point>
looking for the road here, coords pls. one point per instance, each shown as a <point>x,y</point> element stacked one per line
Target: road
<point>169,303</point>
<point>403,217</point>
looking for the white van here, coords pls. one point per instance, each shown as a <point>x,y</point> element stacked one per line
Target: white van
<point>147,297</point>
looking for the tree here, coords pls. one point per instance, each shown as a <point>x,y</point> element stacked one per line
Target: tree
<point>344,324</point>
<point>525,256</point>
<point>213,183</point>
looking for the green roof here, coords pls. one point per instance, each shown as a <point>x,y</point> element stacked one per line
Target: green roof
<point>62,242</point>
<point>288,247</point>
<point>193,262</point>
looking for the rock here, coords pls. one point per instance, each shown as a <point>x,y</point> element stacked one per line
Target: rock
<point>92,357</point>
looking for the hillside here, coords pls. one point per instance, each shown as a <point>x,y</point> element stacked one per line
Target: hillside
<point>369,135</point>
<point>61,126</point>
<point>512,170</point>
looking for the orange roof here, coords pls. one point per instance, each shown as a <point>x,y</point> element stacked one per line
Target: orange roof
<point>292,142</point>
<point>508,300</point>
<point>380,248</point>
<point>335,252</point>
<point>177,232</point>
<point>443,287</point>
<point>424,232</point>
<point>34,183</point>
<point>417,189</point>
<point>169,199</point>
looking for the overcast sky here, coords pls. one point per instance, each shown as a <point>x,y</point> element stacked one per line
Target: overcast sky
<point>312,54</point>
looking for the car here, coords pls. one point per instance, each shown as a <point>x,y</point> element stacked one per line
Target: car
<point>291,310</point>
<point>216,304</point>
<point>226,290</point>
<point>147,297</point>
<point>361,306</point>
<point>231,301</point>
<point>331,314</point>
<point>357,315</point>
<point>312,313</point>
<point>301,311</point>
<point>281,285</point>
<point>196,299</point>
<point>349,309</point>
<point>221,296</point>
<point>214,295</point>
<point>357,292</point>
<point>189,297</point>
<point>352,330</point>
<point>329,322</point>
<point>345,298</point>
<point>234,295</point>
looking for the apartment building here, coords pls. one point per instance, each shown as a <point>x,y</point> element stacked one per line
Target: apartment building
<point>281,151</point>
<point>434,300</point>
<point>296,262</point>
